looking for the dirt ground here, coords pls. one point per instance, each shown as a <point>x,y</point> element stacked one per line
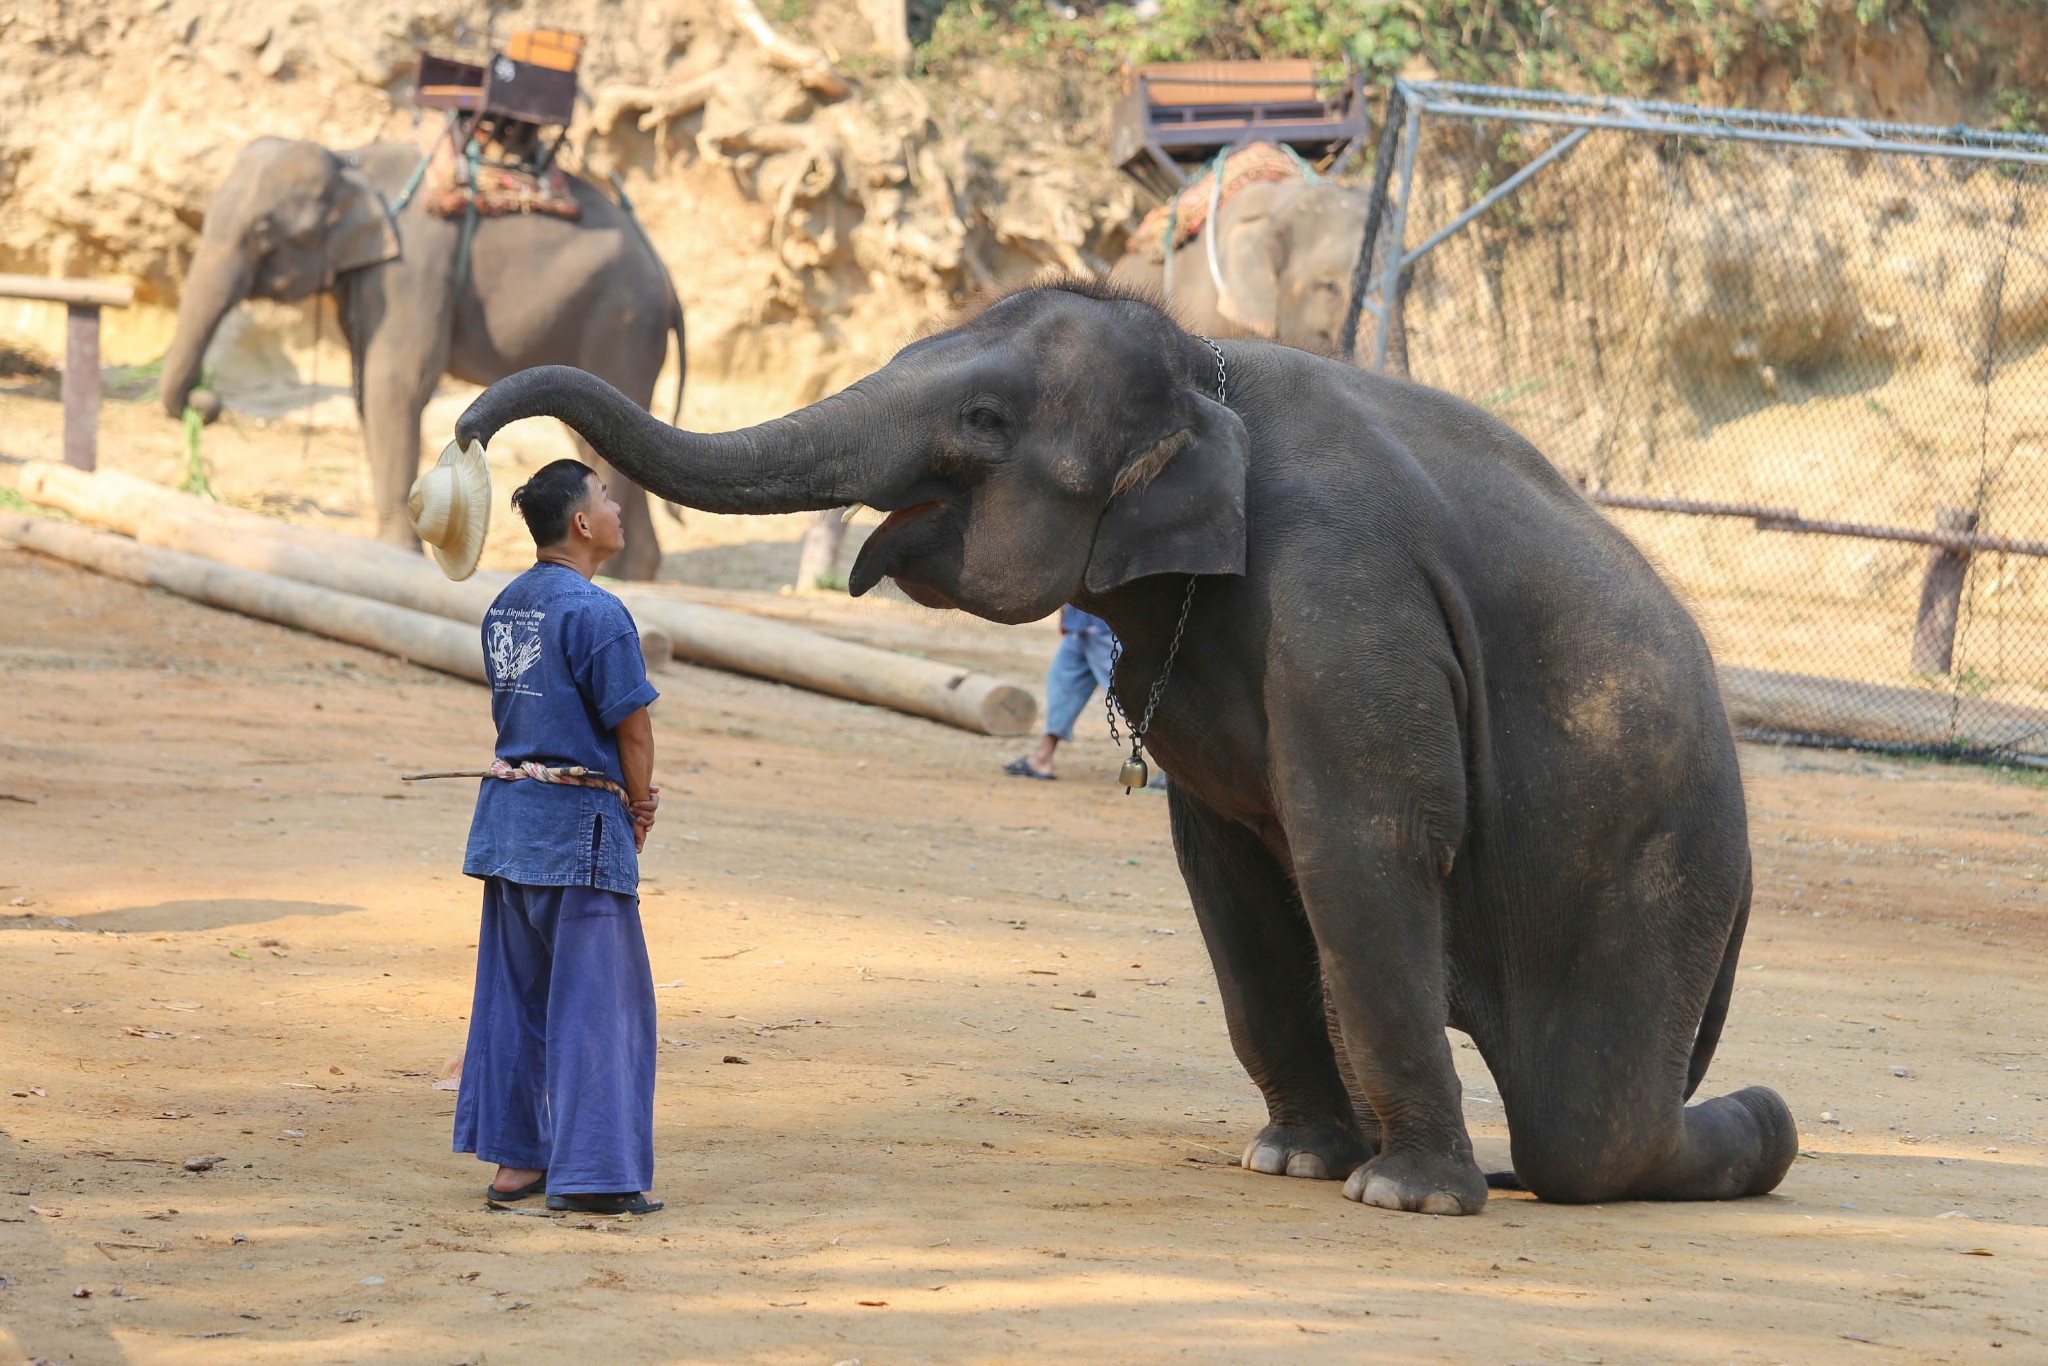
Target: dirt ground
<point>986,1109</point>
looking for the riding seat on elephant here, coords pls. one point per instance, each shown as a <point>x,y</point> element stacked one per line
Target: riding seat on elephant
<point>1444,749</point>
<point>421,293</point>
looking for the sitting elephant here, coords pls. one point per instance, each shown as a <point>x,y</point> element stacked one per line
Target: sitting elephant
<point>294,219</point>
<point>1284,252</point>
<point>1444,748</point>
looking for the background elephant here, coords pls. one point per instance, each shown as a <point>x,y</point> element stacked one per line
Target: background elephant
<point>1444,748</point>
<point>294,219</point>
<point>1285,251</point>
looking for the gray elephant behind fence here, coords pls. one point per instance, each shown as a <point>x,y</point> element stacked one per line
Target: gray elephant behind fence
<point>294,220</point>
<point>1283,253</point>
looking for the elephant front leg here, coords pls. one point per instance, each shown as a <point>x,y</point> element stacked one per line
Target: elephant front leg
<point>1375,901</point>
<point>1266,975</point>
<point>398,377</point>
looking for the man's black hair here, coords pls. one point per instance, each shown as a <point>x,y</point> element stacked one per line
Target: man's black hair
<point>549,499</point>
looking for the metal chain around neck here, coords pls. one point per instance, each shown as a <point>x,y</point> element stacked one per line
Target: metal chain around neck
<point>1222,371</point>
<point>1111,703</point>
<point>1143,725</point>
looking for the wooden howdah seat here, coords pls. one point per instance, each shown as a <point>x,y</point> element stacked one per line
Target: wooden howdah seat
<point>1173,116</point>
<point>506,101</point>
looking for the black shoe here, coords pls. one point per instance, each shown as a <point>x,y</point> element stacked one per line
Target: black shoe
<point>494,1196</point>
<point>631,1202</point>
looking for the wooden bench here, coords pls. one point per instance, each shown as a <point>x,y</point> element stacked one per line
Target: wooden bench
<point>83,300</point>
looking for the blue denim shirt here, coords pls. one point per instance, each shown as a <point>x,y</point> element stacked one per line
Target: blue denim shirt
<point>565,668</point>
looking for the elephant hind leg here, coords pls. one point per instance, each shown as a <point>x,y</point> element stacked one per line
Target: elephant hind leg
<point>1596,1111</point>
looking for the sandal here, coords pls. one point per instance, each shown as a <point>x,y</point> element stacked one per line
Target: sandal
<point>494,1196</point>
<point>631,1202</point>
<point>1020,767</point>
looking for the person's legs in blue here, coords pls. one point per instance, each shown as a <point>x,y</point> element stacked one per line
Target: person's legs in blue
<point>501,1111</point>
<point>1069,683</point>
<point>600,1045</point>
<point>1078,668</point>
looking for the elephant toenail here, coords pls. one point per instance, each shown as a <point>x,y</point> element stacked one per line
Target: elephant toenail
<point>1267,1159</point>
<point>1308,1165</point>
<point>1441,1202</point>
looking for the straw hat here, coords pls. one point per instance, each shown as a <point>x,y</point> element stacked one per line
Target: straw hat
<point>450,506</point>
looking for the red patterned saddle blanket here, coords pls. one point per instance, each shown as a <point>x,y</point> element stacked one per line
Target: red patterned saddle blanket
<point>1249,165</point>
<point>452,184</point>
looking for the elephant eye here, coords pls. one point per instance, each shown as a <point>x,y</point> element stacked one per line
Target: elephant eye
<point>984,418</point>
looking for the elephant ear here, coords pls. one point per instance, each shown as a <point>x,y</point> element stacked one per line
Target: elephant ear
<point>1179,507</point>
<point>1250,257</point>
<point>360,233</point>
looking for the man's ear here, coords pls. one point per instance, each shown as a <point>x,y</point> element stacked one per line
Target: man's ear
<point>1180,506</point>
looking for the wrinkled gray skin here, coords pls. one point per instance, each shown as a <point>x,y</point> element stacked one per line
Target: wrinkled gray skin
<point>293,220</point>
<point>1285,252</point>
<point>1444,749</point>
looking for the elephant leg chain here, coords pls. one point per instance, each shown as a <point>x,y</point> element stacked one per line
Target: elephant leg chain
<point>1134,774</point>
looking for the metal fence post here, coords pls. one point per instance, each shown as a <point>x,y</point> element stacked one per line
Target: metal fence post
<point>1397,239</point>
<point>1941,595</point>
<point>1375,210</point>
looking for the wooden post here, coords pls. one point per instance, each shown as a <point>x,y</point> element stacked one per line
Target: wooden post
<point>82,300</point>
<point>82,385</point>
<point>1941,596</point>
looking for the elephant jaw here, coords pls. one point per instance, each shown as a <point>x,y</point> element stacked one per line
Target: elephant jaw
<point>906,536</point>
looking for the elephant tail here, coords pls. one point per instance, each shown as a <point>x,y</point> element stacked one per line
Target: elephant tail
<point>1717,1001</point>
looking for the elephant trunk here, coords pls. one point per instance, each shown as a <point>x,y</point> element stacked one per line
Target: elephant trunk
<point>828,455</point>
<point>219,279</point>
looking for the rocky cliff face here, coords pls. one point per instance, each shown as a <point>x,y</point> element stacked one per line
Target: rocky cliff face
<point>810,233</point>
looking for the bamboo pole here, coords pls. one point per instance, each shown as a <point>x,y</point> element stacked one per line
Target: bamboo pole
<point>704,635</point>
<point>435,642</point>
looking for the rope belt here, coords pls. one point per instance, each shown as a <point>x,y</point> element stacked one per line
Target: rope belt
<point>507,771</point>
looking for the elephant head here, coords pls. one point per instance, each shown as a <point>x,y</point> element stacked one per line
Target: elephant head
<point>290,217</point>
<point>1286,254</point>
<point>1065,441</point>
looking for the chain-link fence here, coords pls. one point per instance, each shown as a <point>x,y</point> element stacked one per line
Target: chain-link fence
<point>1799,361</point>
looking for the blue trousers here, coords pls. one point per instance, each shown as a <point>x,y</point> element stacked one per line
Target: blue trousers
<point>559,1076</point>
<point>1080,667</point>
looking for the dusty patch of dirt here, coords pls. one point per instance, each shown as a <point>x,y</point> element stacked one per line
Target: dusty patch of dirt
<point>988,1110</point>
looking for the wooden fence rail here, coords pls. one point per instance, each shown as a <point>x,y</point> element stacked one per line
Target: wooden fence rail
<point>82,300</point>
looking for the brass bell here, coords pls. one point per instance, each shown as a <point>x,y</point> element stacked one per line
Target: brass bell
<point>1133,774</point>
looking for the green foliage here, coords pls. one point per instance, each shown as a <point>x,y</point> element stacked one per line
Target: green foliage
<point>1615,46</point>
<point>12,501</point>
<point>198,469</point>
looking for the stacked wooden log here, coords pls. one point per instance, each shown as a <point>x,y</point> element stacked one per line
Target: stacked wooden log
<point>386,599</point>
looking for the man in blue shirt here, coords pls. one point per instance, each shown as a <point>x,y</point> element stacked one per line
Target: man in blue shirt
<point>558,1080</point>
<point>1082,664</point>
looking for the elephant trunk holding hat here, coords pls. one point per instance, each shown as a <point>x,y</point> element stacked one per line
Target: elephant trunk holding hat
<point>1444,750</point>
<point>294,220</point>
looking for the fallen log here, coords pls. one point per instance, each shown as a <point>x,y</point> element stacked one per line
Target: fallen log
<point>792,654</point>
<point>164,518</point>
<point>435,642</point>
<point>704,635</point>
<point>1802,704</point>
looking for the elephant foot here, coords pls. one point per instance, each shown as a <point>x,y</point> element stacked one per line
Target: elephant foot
<point>1421,1183</point>
<point>1318,1152</point>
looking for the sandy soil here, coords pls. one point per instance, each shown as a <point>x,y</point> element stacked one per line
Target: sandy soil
<point>987,1109</point>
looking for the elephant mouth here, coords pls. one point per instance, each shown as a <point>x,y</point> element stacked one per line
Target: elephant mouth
<point>905,536</point>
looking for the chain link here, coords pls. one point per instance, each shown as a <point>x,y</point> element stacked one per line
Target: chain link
<point>1222,372</point>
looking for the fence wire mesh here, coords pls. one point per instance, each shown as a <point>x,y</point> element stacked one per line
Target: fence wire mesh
<point>1743,351</point>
